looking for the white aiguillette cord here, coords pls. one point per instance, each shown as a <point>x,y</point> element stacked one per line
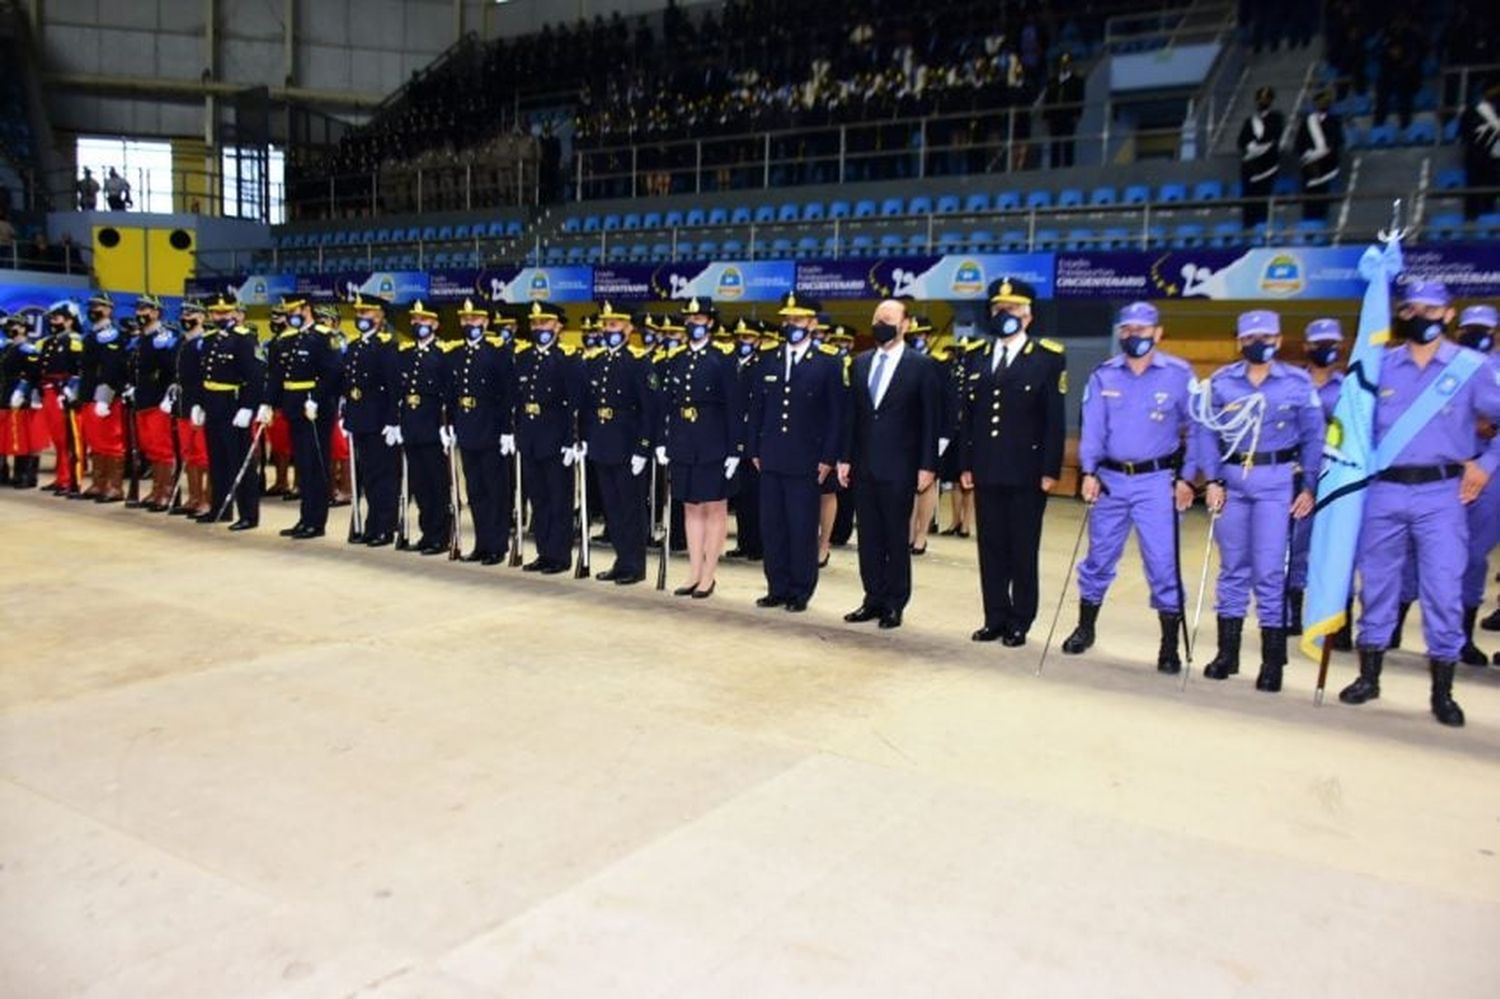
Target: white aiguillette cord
<point>1231,427</point>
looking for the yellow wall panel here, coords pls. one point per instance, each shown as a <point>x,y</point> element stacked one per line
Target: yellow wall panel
<point>120,257</point>
<point>170,258</point>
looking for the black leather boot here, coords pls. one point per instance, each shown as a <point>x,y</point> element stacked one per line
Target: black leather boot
<point>1395,642</point>
<point>1227,662</point>
<point>1491,621</point>
<point>1444,708</point>
<point>1470,655</point>
<point>1367,687</point>
<point>1294,612</point>
<point>1083,635</point>
<point>1167,660</point>
<point>1272,659</point>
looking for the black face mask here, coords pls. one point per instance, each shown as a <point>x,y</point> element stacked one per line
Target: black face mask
<point>1480,338</point>
<point>1323,356</point>
<point>1419,329</point>
<point>1003,324</point>
<point>884,332</point>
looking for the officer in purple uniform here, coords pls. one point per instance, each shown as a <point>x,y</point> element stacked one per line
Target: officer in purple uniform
<point>1476,330</point>
<point>1135,419</point>
<point>1432,394</point>
<point>1264,425</point>
<point>1323,339</point>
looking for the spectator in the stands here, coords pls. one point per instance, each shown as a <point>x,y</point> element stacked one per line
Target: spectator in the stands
<point>88,191</point>
<point>1400,77</point>
<point>1260,156</point>
<point>1063,101</point>
<point>1320,150</point>
<point>41,256</point>
<point>1479,130</point>
<point>116,191</point>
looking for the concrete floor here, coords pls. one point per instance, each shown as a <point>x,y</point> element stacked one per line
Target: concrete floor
<point>233,767</point>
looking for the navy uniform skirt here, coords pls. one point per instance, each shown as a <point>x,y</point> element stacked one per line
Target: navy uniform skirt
<point>703,483</point>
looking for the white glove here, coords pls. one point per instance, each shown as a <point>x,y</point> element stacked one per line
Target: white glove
<point>104,394</point>
<point>569,455</point>
<point>730,464</point>
<point>637,464</point>
<point>70,392</point>
<point>310,409</point>
<point>392,435</point>
<point>507,443</point>
<point>101,409</point>
<point>661,455</point>
<point>129,394</point>
<point>242,417</point>
<point>36,400</point>
<point>263,414</point>
<point>17,399</point>
<point>943,443</point>
<point>447,436</point>
<point>166,404</point>
<point>196,416</point>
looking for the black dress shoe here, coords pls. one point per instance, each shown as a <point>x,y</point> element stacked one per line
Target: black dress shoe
<point>379,540</point>
<point>290,497</point>
<point>600,539</point>
<point>705,594</point>
<point>863,613</point>
<point>535,565</point>
<point>492,559</point>
<point>243,525</point>
<point>890,619</point>
<point>288,532</point>
<point>608,575</point>
<point>308,532</point>
<point>685,591</point>
<point>629,579</point>
<point>473,556</point>
<point>769,600</point>
<point>432,549</point>
<point>824,563</point>
<point>356,539</point>
<point>987,634</point>
<point>553,568</point>
<point>1013,639</point>
<point>919,551</point>
<point>735,552</point>
<point>796,604</point>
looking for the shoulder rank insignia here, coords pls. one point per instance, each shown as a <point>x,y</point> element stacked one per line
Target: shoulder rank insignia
<point>1051,345</point>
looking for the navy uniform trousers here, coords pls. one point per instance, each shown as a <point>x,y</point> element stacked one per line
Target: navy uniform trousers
<point>623,497</point>
<point>488,482</point>
<point>379,473</point>
<point>427,480</point>
<point>549,485</point>
<point>789,509</point>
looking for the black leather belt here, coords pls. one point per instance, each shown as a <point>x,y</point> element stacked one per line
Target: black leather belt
<point>1173,461</point>
<point>1416,475</point>
<point>1265,457</point>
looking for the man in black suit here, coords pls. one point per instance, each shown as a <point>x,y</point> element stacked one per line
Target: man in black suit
<point>1012,450</point>
<point>890,453</point>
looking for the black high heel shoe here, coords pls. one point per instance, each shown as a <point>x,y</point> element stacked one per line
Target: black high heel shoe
<point>824,564</point>
<point>919,551</point>
<point>685,591</point>
<point>705,594</point>
<point>950,532</point>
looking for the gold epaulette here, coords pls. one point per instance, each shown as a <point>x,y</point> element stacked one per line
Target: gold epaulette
<point>384,337</point>
<point>1051,345</point>
<point>494,341</point>
<point>828,349</point>
<point>448,346</point>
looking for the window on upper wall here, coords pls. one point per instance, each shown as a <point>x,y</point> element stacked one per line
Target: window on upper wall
<point>146,166</point>
<point>254,184</point>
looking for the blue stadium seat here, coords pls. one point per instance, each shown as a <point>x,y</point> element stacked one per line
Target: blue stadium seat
<point>661,252</point>
<point>575,254</point>
<point>892,207</point>
<point>812,211</point>
<point>1114,238</point>
<point>921,204</point>
<point>807,247</point>
<point>1446,227</point>
<point>1171,194</point>
<point>340,238</point>
<point>1008,201</point>
<point>445,233</point>
<point>1450,178</point>
<point>788,212</point>
<point>651,220</point>
<point>1208,190</point>
<point>948,204</point>
<point>765,214</point>
<point>1156,236</point>
<point>1103,196</point>
<point>1070,197</point>
<point>839,209</point>
<point>864,209</point>
<point>1226,234</point>
<point>718,216</point>
<point>1136,194</point>
<point>460,231</point>
<point>917,242</point>
<point>1187,235</point>
<point>384,235</point>
<point>555,255</point>
<point>631,222</point>
<point>611,223</point>
<point>1047,239</point>
<point>1421,132</point>
<point>740,216</point>
<point>981,241</point>
<point>673,219</point>
<point>695,216</point>
<point>781,248</point>
<point>1012,240</point>
<point>950,242</point>
<point>1285,184</point>
<point>591,223</point>
<point>512,228</point>
<point>830,246</point>
<point>732,249</point>
<point>638,251</point>
<point>1039,199</point>
<point>976,203</point>
<point>891,242</point>
<point>861,246</point>
<point>1079,239</point>
<point>1381,136</point>
<point>1310,232</point>
<point>616,252</point>
<point>593,254</point>
<point>707,248</point>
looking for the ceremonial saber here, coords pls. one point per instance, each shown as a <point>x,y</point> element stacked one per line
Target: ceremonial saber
<point>403,521</point>
<point>582,572</point>
<point>356,522</point>
<point>518,541</point>
<point>666,531</point>
<point>1083,527</point>
<point>255,437</point>
<point>1208,552</point>
<point>455,500</point>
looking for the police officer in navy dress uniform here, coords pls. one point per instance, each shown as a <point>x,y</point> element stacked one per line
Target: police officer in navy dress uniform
<point>750,344</point>
<point>617,419</point>
<point>234,374</point>
<point>425,427</point>
<point>1014,387</point>
<point>481,385</point>
<point>371,394</point>
<point>703,427</point>
<point>796,430</point>
<point>549,390</point>
<point>303,386</point>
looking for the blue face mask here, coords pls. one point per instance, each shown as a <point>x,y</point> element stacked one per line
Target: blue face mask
<point>591,341</point>
<point>295,320</point>
<point>226,323</point>
<point>364,324</point>
<point>1258,351</point>
<point>613,339</point>
<point>1003,324</point>
<point>1136,346</point>
<point>1480,338</point>
<point>473,332</point>
<point>544,338</point>
<point>507,334</point>
<point>422,330</point>
<point>919,344</point>
<point>1323,355</point>
<point>793,334</point>
<point>744,348</point>
<point>697,332</point>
